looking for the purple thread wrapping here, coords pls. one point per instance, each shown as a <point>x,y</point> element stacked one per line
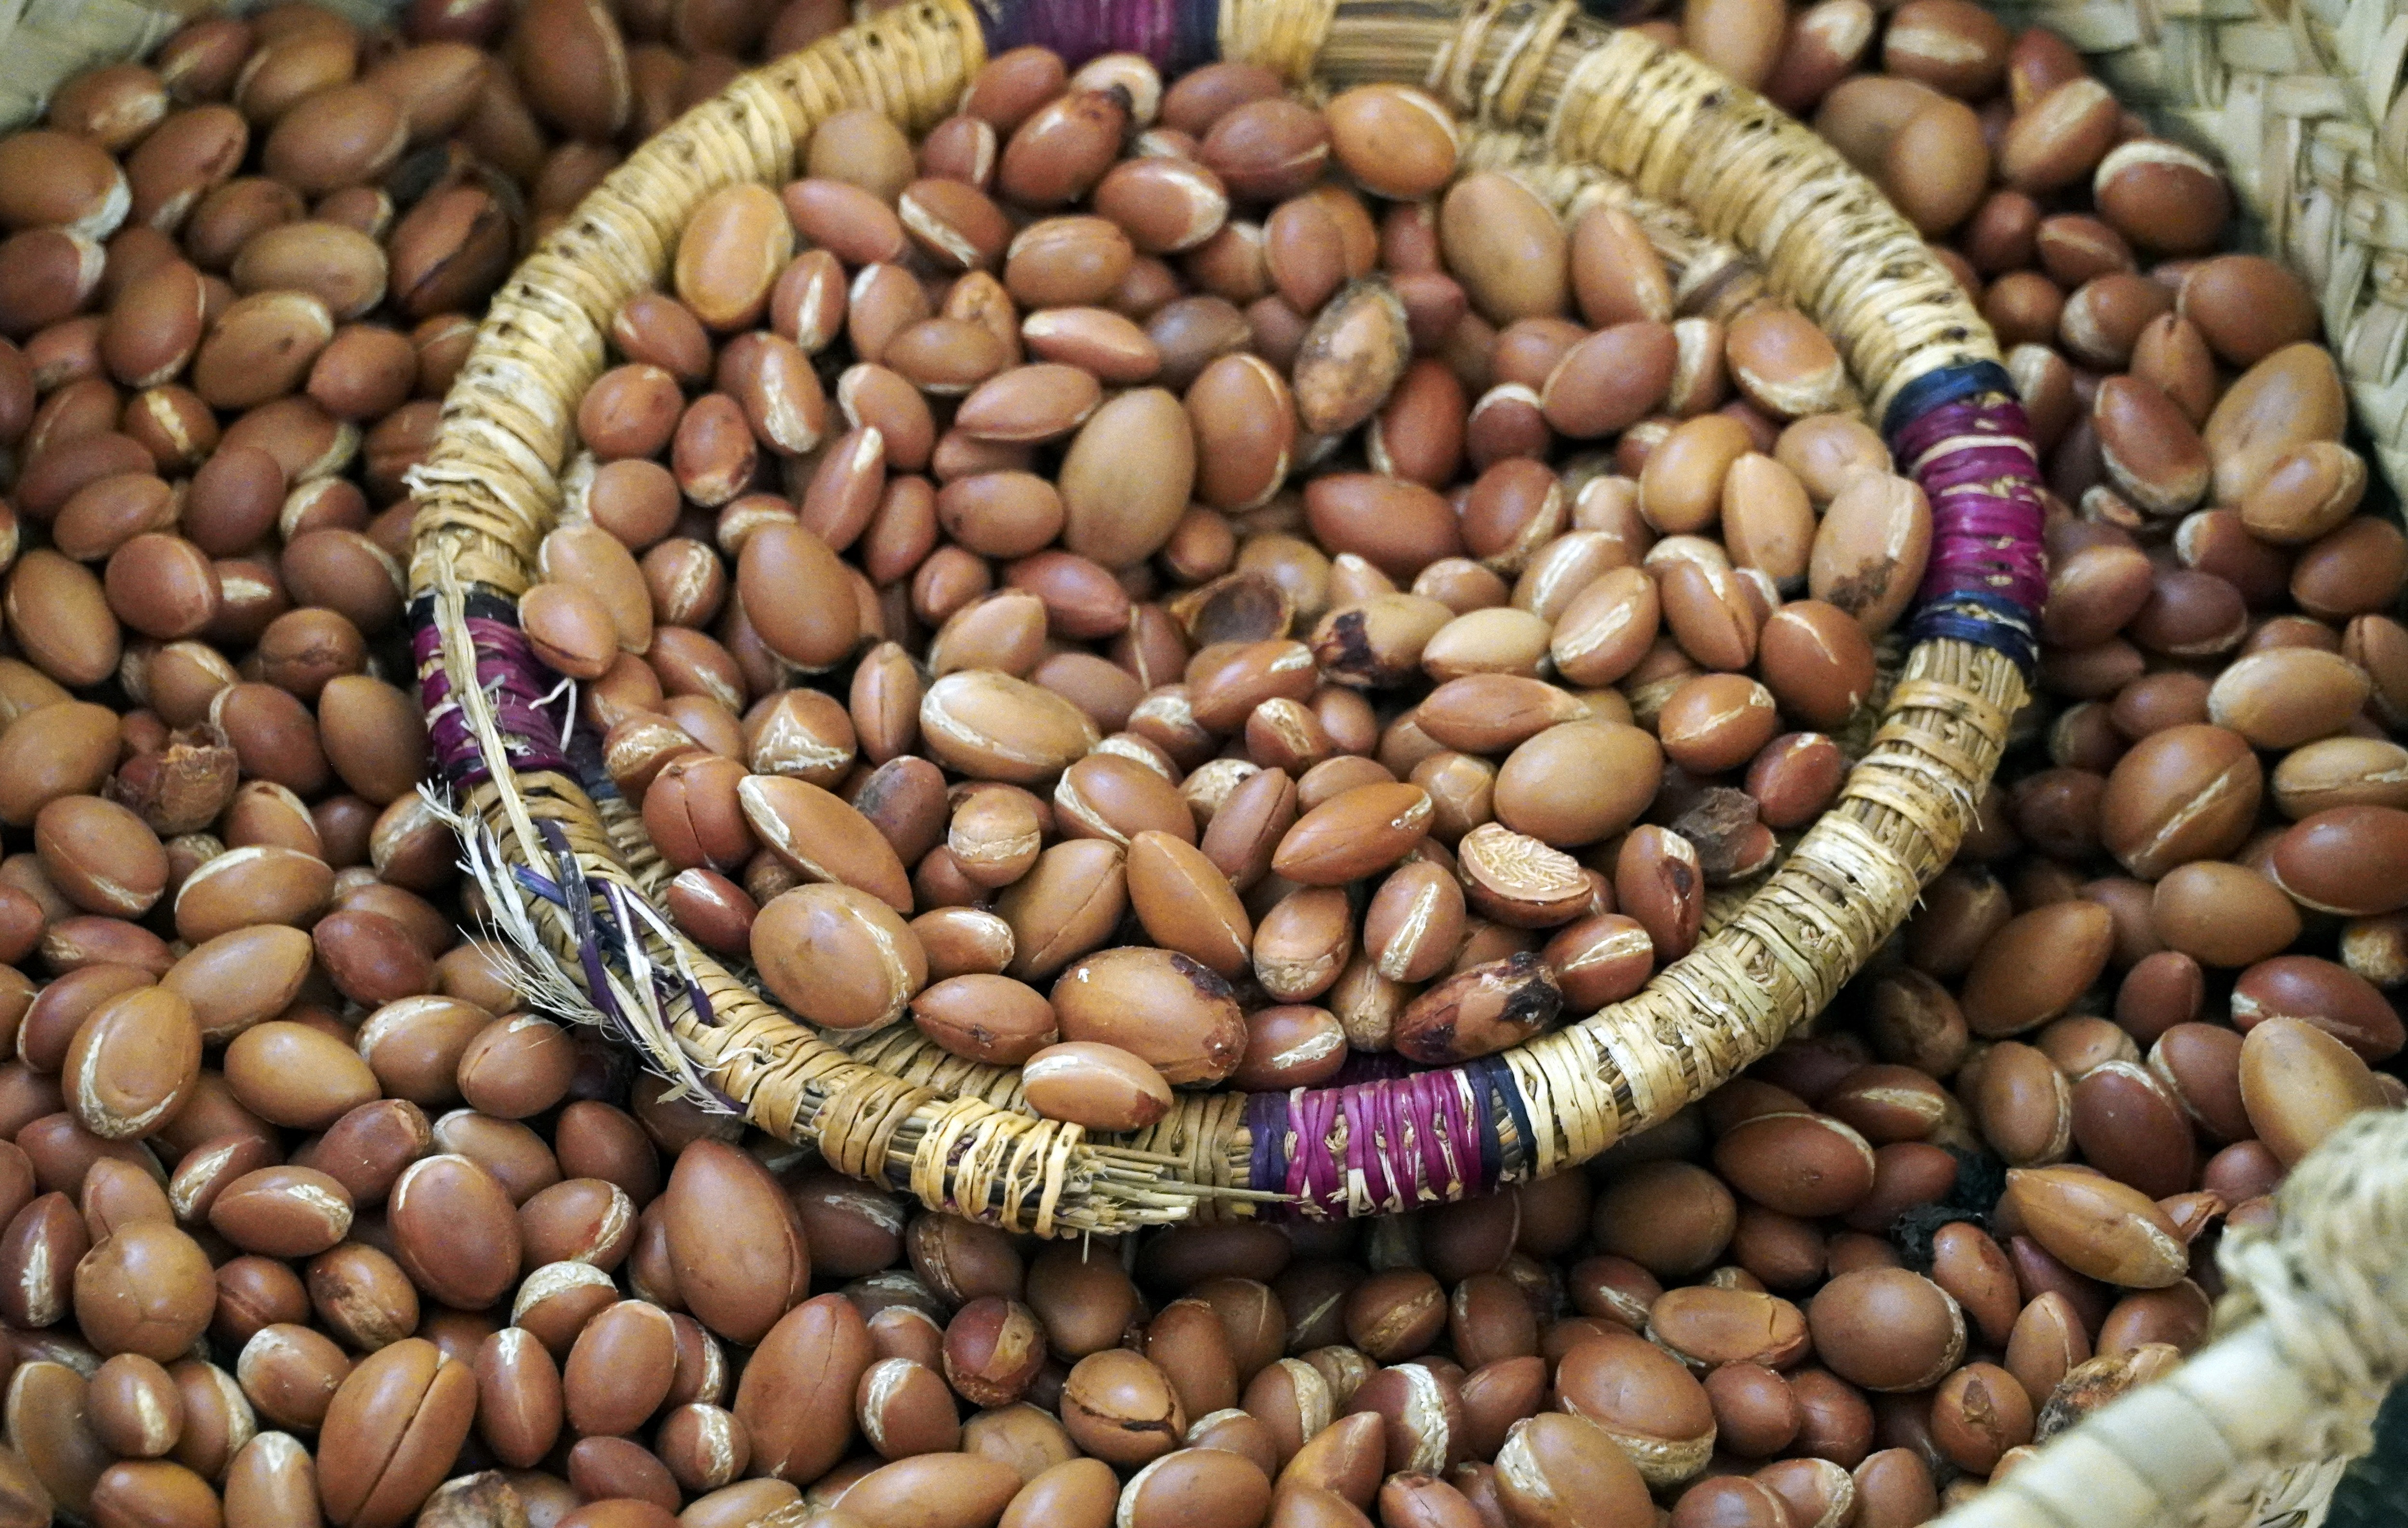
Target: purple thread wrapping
<point>1084,29</point>
<point>1985,501</point>
<point>515,683</point>
<point>1404,1134</point>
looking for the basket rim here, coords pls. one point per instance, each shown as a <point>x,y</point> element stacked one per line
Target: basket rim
<point>1701,1016</point>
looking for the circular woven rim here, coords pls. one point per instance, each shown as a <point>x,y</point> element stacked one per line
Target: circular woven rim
<point>566,866</point>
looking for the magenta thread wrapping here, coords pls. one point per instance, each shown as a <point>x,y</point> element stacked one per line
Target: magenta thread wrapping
<point>1976,462</point>
<point>531,706</point>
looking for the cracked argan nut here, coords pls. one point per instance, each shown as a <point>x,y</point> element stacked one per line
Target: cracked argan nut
<point>838,957</point>
<point>1643,1397</point>
<point>392,1432</point>
<point>1871,549</point>
<point>991,726</point>
<point>1121,1408</point>
<point>1561,1471</point>
<point>1515,880</point>
<point>2097,1227</point>
<point>1350,359</point>
<point>133,1063</point>
<point>1168,1010</point>
<point>1477,1012</point>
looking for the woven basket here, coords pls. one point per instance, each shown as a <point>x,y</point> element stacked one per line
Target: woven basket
<point>570,873</point>
<point>2304,107</point>
<point>2254,1431</point>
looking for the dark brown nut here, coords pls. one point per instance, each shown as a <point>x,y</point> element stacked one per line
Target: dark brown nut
<point>2097,1227</point>
<point>1802,1164</point>
<point>135,1407</point>
<point>434,1203</point>
<point>1716,722</point>
<point>47,276</point>
<point>738,1250</point>
<point>2343,860</point>
<point>283,1212</point>
<point>1290,1046</point>
<point>1098,1086</point>
<point>2333,996</point>
<point>260,347</point>
<point>44,1242</point>
<point>2036,967</point>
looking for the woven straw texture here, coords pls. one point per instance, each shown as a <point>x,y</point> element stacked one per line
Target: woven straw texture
<point>2257,1427</point>
<point>564,862</point>
<point>2304,105</point>
<point>44,41</point>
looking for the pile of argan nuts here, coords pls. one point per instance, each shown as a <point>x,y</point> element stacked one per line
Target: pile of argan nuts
<point>1197,569</point>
